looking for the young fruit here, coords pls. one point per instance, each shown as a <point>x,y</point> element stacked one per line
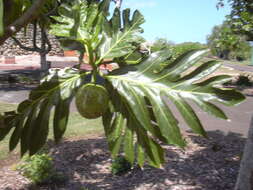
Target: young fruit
<point>92,100</point>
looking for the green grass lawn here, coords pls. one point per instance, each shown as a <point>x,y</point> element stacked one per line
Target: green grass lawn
<point>77,127</point>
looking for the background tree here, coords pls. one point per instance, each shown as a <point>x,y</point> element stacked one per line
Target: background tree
<point>176,50</point>
<point>160,44</point>
<point>241,17</point>
<point>225,44</point>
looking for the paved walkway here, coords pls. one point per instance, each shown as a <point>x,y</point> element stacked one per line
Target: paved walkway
<point>239,67</point>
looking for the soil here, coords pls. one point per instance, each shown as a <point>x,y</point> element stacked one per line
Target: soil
<point>206,164</point>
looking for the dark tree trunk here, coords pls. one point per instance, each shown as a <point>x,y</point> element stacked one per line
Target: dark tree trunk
<point>45,47</point>
<point>43,62</point>
<point>245,177</point>
<point>226,54</point>
<point>43,54</point>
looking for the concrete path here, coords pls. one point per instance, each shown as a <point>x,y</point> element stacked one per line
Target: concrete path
<point>246,68</point>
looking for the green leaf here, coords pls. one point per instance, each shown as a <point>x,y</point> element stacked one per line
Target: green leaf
<point>1,18</point>
<point>26,136</point>
<point>61,118</point>
<point>153,150</point>
<point>11,11</point>
<point>32,121</point>
<point>40,132</point>
<point>118,41</point>
<point>165,119</point>
<point>7,123</point>
<point>113,134</point>
<point>80,22</point>
<point>188,113</point>
<point>2,123</point>
<point>147,92</point>
<point>140,155</point>
<point>129,142</point>
<point>16,135</point>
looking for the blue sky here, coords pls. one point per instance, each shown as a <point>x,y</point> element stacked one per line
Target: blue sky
<point>178,20</point>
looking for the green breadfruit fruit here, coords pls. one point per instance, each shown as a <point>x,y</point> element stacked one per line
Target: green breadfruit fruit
<point>92,100</point>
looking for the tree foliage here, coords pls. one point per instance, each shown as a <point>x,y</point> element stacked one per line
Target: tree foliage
<point>176,50</point>
<point>241,17</point>
<point>139,116</point>
<point>224,43</point>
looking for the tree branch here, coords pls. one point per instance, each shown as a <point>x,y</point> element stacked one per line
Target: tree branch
<point>49,46</point>
<point>31,14</point>
<point>22,46</point>
<point>53,11</point>
<point>35,34</point>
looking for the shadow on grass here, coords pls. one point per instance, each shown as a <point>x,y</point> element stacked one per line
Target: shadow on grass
<point>208,164</point>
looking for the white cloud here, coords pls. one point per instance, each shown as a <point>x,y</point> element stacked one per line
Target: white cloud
<point>140,4</point>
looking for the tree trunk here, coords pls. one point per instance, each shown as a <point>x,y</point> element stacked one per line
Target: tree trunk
<point>44,66</point>
<point>43,54</point>
<point>226,54</point>
<point>245,177</point>
<point>43,62</point>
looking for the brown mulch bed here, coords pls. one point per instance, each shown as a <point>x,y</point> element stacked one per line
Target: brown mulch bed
<point>206,164</point>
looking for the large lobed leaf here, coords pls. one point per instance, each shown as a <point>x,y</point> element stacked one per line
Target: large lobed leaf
<point>119,39</point>
<point>110,37</point>
<point>31,122</point>
<point>147,95</point>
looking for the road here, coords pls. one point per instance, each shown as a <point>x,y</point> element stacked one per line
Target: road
<point>245,68</point>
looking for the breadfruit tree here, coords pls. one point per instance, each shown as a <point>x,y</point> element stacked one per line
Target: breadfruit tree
<point>137,94</point>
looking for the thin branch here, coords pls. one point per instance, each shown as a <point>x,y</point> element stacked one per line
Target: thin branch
<point>43,41</point>
<point>31,14</point>
<point>49,46</point>
<point>22,46</point>
<point>35,34</point>
<point>53,10</point>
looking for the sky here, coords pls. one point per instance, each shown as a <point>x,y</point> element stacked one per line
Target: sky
<point>178,20</point>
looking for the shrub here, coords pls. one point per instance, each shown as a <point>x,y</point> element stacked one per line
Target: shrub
<point>120,165</point>
<point>38,168</point>
<point>179,49</point>
<point>244,80</point>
